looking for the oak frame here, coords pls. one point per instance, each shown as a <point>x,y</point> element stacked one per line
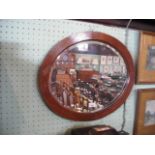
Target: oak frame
<point>143,74</point>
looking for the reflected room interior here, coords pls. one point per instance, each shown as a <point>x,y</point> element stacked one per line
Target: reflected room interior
<point>88,76</point>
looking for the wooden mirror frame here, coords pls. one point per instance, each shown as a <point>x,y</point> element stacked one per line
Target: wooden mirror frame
<point>45,72</point>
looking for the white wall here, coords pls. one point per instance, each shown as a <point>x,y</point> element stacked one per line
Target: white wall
<point>23,45</point>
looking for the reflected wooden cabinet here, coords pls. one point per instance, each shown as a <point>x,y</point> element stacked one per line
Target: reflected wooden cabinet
<point>86,75</point>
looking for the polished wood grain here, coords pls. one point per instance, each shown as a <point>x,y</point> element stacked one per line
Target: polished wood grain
<point>44,75</point>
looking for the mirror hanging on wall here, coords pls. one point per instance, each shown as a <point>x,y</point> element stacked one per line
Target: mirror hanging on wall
<point>86,76</point>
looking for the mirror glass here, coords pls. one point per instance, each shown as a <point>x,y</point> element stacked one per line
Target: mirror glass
<point>88,76</point>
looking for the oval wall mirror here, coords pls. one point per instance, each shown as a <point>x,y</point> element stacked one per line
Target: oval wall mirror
<point>86,76</point>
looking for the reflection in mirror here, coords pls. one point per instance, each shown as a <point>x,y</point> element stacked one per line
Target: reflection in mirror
<point>88,76</point>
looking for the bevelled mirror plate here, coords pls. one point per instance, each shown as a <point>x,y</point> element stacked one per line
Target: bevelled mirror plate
<point>88,76</point>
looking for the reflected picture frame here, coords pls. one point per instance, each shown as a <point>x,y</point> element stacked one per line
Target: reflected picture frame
<point>145,112</point>
<point>146,59</point>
